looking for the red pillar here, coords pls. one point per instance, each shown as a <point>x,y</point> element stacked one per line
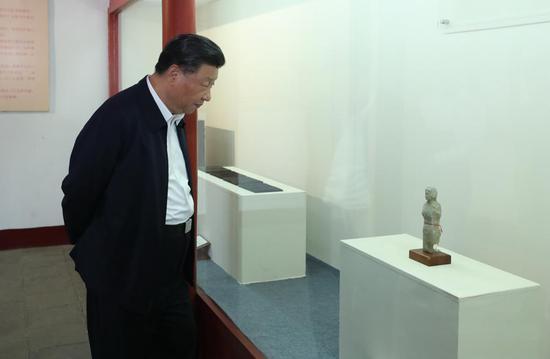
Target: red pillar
<point>114,59</point>
<point>178,17</point>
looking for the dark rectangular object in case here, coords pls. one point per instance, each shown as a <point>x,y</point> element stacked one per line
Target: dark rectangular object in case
<point>248,183</point>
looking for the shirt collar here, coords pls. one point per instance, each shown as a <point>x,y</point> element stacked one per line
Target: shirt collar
<point>162,107</point>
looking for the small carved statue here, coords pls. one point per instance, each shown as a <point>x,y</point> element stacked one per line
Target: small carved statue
<point>431,211</point>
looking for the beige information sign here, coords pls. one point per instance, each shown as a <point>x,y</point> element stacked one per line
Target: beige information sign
<point>24,55</point>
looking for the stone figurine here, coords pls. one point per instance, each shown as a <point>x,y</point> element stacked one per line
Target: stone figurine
<point>431,211</point>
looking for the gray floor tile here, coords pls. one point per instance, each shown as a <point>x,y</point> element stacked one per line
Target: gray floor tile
<point>13,319</point>
<point>73,351</point>
<point>80,291</point>
<point>75,277</point>
<point>9,270</point>
<point>41,305</point>
<point>44,251</point>
<point>11,256</point>
<point>39,260</point>
<point>66,251</point>
<point>33,286</point>
<point>41,301</point>
<point>65,315</point>
<point>11,291</point>
<point>56,335</point>
<point>42,259</point>
<point>13,343</point>
<point>38,263</point>
<point>56,269</point>
<point>71,270</point>
<point>15,353</point>
<point>84,309</point>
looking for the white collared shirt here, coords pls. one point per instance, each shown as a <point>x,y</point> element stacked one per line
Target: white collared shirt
<point>179,206</point>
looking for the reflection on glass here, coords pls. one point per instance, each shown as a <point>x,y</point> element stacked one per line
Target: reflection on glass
<point>257,262</point>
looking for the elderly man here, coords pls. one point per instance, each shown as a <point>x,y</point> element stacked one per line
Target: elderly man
<point>128,208</point>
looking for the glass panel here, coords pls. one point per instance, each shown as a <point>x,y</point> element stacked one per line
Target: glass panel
<point>363,104</point>
<point>269,121</point>
<point>352,109</point>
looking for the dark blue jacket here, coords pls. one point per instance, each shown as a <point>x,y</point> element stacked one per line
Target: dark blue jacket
<point>114,206</point>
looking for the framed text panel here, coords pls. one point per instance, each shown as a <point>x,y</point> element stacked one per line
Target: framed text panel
<point>24,55</point>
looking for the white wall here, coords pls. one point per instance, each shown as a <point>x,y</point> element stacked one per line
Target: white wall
<point>365,103</point>
<point>140,26</point>
<point>35,147</point>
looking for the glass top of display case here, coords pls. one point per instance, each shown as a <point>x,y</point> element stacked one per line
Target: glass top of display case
<point>248,183</point>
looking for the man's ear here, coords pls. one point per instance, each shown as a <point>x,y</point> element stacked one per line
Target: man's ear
<point>173,72</point>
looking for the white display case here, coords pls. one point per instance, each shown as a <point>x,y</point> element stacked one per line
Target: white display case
<point>392,307</point>
<point>255,237</point>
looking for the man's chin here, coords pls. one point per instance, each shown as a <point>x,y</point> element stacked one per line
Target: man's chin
<point>190,110</point>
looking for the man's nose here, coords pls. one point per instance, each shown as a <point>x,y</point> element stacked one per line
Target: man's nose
<point>207,96</point>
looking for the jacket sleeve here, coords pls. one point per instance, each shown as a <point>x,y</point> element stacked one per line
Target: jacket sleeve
<point>92,163</point>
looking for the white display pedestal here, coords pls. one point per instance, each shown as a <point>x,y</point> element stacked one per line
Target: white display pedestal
<point>392,307</point>
<point>255,237</point>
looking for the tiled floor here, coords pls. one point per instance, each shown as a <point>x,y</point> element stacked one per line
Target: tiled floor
<point>42,305</point>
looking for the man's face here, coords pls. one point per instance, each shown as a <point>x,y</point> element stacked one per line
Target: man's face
<point>189,91</point>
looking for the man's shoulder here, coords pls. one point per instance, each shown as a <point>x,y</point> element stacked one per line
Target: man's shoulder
<point>127,97</point>
<point>124,105</point>
<point>117,110</point>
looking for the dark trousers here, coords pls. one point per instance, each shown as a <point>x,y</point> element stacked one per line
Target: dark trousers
<point>166,331</point>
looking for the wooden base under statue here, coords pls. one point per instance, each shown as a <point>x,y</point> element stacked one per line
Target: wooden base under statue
<point>429,259</point>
